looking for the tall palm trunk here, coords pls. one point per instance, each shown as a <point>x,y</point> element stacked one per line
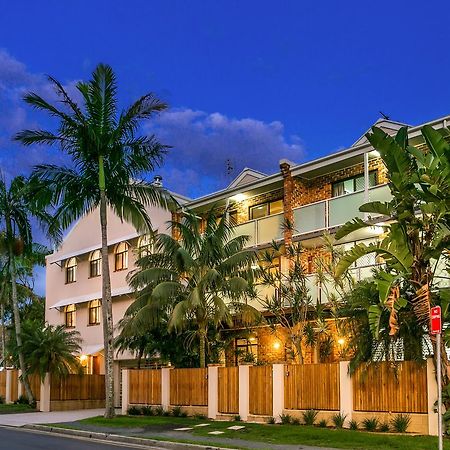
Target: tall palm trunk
<point>107,318</point>
<point>2,312</point>
<point>202,347</point>
<point>15,305</point>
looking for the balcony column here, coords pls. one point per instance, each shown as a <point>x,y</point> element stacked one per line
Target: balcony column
<point>366,177</point>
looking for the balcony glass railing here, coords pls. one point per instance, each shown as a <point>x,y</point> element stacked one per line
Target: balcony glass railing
<point>313,217</point>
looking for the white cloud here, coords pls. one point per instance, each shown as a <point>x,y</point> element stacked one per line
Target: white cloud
<point>202,143</point>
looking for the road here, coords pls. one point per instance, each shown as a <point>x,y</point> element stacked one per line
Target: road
<point>17,439</point>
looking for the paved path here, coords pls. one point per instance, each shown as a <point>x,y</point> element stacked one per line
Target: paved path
<point>15,439</point>
<point>21,419</point>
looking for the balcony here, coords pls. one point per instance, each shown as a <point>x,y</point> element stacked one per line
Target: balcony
<point>317,216</point>
<point>261,231</point>
<point>336,211</point>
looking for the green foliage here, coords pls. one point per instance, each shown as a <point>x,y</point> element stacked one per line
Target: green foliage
<point>384,427</point>
<point>237,418</point>
<point>309,416</point>
<point>295,421</point>
<point>147,411</point>
<point>322,423</point>
<point>370,424</point>
<point>134,411</point>
<point>50,349</point>
<point>353,425</point>
<point>400,423</point>
<point>159,411</point>
<point>200,416</point>
<point>177,411</point>
<point>285,419</point>
<point>339,420</point>
<point>2,400</point>
<point>271,420</point>
<point>197,281</point>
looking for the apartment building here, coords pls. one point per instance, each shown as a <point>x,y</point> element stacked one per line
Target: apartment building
<point>317,197</point>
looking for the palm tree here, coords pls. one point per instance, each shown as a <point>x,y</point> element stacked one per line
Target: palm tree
<point>17,206</point>
<point>200,278</point>
<point>109,159</point>
<point>51,349</point>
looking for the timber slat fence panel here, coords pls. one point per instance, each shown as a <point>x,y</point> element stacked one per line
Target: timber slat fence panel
<point>312,386</point>
<point>35,385</point>
<point>228,390</point>
<point>145,386</point>
<point>189,387</point>
<point>3,384</point>
<point>260,390</point>
<point>376,388</point>
<point>15,385</point>
<point>78,387</point>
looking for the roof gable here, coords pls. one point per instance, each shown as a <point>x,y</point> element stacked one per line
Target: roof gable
<point>388,126</point>
<point>245,177</point>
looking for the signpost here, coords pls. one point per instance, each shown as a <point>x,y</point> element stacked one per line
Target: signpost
<point>436,328</point>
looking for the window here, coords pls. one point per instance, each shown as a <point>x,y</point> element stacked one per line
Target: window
<point>265,209</point>
<point>353,184</point>
<point>94,312</point>
<point>246,350</point>
<point>71,270</point>
<point>70,312</point>
<point>145,245</point>
<point>121,256</point>
<point>95,264</point>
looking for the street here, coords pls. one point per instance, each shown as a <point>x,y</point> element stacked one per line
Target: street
<point>18,439</point>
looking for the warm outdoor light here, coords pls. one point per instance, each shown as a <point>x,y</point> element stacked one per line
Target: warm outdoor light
<point>238,197</point>
<point>83,359</point>
<point>276,345</point>
<point>341,341</point>
<point>254,266</point>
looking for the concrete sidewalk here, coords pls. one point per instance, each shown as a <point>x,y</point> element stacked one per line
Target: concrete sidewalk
<point>21,419</point>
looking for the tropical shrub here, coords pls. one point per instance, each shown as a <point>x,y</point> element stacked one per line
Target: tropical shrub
<point>147,411</point>
<point>285,419</point>
<point>370,424</point>
<point>353,425</point>
<point>271,420</point>
<point>384,427</point>
<point>339,420</point>
<point>400,423</point>
<point>134,411</point>
<point>322,423</point>
<point>309,416</point>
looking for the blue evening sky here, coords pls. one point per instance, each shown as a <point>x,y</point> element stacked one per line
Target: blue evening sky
<point>249,81</point>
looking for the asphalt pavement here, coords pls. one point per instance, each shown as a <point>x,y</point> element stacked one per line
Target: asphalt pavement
<point>19,439</point>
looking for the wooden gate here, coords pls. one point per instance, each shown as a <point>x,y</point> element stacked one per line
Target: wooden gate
<point>379,388</point>
<point>260,390</point>
<point>189,387</point>
<point>312,386</point>
<point>228,390</point>
<point>145,386</point>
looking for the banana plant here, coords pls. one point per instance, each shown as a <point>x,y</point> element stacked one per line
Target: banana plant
<point>418,235</point>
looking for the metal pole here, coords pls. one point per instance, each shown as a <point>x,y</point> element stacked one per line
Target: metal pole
<point>439,383</point>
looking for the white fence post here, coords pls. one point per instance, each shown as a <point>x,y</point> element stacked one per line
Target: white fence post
<point>432,395</point>
<point>8,398</point>
<point>44,402</point>
<point>244,391</point>
<point>278,391</point>
<point>165,387</point>
<point>345,391</point>
<point>125,391</point>
<point>213,391</point>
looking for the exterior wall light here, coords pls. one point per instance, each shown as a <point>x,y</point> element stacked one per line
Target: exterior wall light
<point>238,197</point>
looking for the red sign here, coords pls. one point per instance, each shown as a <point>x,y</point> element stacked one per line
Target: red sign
<point>436,321</point>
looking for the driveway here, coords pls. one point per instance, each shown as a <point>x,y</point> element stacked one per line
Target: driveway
<point>21,419</point>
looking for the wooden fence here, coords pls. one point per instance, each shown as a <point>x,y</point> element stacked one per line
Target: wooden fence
<point>78,387</point>
<point>228,390</point>
<point>3,384</point>
<point>260,390</point>
<point>189,387</point>
<point>379,388</point>
<point>312,386</point>
<point>145,386</point>
<point>35,385</point>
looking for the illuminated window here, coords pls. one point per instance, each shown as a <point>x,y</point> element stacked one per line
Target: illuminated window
<point>145,245</point>
<point>121,256</point>
<point>353,184</point>
<point>71,270</point>
<point>265,209</point>
<point>246,350</point>
<point>70,312</point>
<point>94,312</point>
<point>95,264</point>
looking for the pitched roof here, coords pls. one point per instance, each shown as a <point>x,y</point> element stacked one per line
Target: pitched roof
<point>246,176</point>
<point>387,125</point>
